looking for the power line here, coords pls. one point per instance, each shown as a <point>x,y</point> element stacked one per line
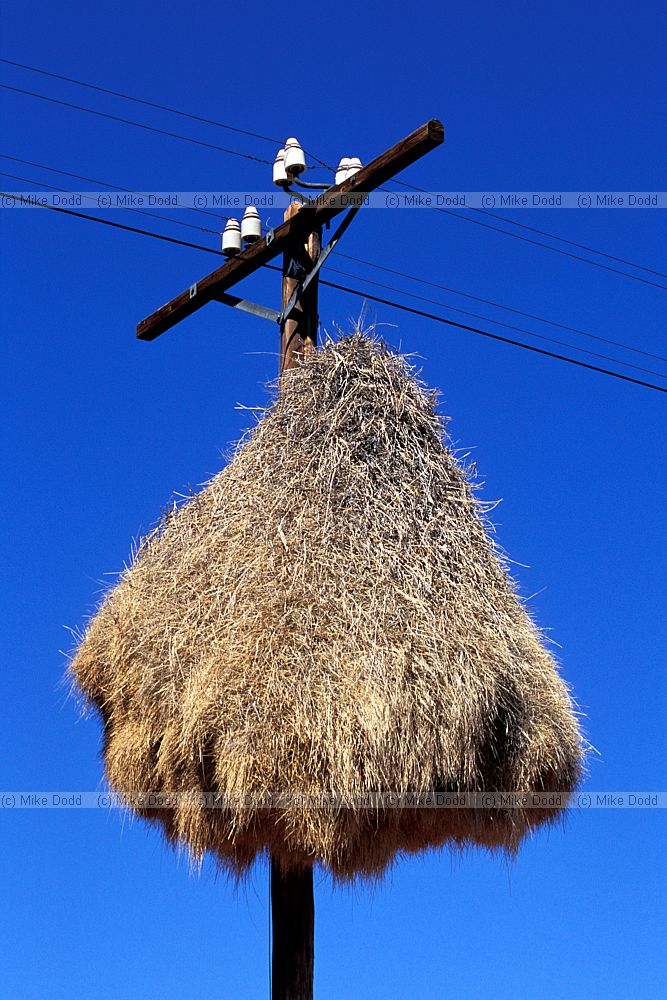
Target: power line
<point>402,274</point>
<point>257,135</point>
<point>362,261</point>
<point>322,163</point>
<point>153,104</point>
<point>361,294</point>
<point>140,100</point>
<point>108,222</point>
<point>537,243</point>
<point>572,243</point>
<point>126,208</point>
<point>115,187</point>
<point>507,326</point>
<point>492,336</point>
<point>542,232</point>
<point>142,125</point>
<point>498,305</point>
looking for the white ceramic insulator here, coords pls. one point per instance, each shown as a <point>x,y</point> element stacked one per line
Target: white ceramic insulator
<point>251,225</point>
<point>353,167</point>
<point>295,161</point>
<point>231,238</point>
<point>341,173</point>
<point>279,175</point>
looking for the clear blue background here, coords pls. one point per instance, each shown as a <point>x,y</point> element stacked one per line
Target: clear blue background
<point>102,429</point>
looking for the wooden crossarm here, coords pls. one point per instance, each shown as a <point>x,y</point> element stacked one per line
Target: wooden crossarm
<point>312,216</point>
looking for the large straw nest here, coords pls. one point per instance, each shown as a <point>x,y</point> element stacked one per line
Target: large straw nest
<point>329,615</point>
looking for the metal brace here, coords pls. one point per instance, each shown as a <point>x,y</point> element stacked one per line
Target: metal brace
<point>250,307</point>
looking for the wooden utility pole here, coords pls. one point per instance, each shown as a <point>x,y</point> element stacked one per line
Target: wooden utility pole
<point>299,329</point>
<point>292,900</point>
<point>299,240</point>
<point>293,924</point>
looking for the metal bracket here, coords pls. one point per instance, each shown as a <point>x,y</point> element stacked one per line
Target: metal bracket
<point>308,184</point>
<point>300,289</point>
<point>296,268</point>
<point>263,312</point>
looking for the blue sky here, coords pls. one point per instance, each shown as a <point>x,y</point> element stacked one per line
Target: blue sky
<point>101,430</point>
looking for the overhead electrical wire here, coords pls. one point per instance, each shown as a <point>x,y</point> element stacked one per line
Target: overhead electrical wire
<point>141,125</point>
<point>153,104</point>
<point>545,246</point>
<point>359,260</point>
<point>125,208</point>
<point>108,222</point>
<point>498,305</point>
<point>493,336</point>
<point>543,232</point>
<point>273,140</point>
<point>139,100</point>
<point>115,187</point>
<point>497,322</point>
<point>363,295</point>
<point>257,135</point>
